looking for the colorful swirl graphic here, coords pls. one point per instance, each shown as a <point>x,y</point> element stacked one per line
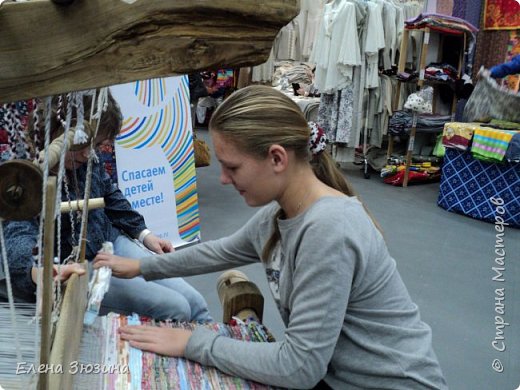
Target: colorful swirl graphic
<point>168,127</point>
<point>150,92</point>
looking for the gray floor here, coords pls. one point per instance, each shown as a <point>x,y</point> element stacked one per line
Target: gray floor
<point>445,260</point>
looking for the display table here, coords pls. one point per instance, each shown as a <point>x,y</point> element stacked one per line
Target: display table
<point>469,185</point>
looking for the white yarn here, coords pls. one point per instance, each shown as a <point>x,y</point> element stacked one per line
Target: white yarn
<point>80,136</point>
<point>10,293</point>
<point>48,109</point>
<point>57,205</point>
<point>100,107</point>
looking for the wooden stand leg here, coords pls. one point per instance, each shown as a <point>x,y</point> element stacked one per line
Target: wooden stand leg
<point>390,146</point>
<point>239,297</point>
<point>409,152</point>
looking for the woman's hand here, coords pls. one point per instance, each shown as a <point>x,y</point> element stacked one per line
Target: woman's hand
<point>163,341</point>
<point>122,267</point>
<point>62,273</point>
<point>157,245</point>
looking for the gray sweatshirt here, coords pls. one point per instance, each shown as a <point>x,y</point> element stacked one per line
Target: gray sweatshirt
<point>349,318</point>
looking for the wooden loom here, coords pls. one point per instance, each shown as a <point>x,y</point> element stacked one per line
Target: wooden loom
<point>48,48</point>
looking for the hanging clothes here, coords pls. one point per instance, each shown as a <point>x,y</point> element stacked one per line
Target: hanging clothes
<point>263,73</point>
<point>356,98</point>
<point>336,53</point>
<point>287,44</point>
<point>311,12</point>
<point>375,41</point>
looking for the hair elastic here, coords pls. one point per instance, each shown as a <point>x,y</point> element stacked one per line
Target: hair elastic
<point>317,140</point>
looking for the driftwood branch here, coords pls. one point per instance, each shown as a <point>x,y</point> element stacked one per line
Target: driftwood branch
<point>47,48</point>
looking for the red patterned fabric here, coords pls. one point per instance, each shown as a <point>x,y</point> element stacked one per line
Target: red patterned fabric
<point>502,15</point>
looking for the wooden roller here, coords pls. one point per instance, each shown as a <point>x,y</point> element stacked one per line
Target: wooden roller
<point>239,296</point>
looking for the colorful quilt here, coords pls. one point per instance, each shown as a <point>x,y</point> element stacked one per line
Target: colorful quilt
<point>469,185</point>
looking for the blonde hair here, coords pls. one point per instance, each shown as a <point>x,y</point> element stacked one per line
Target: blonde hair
<point>256,117</point>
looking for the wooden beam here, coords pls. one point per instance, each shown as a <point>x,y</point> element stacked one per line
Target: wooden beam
<point>67,340</point>
<point>47,48</point>
<point>47,283</point>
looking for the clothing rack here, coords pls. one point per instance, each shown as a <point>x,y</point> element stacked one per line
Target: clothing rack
<point>422,65</point>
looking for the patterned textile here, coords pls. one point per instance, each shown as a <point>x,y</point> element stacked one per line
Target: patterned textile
<point>491,49</point>
<point>467,186</point>
<point>13,126</point>
<point>135,369</point>
<point>469,10</point>
<point>335,115</point>
<point>501,15</point>
<point>488,101</point>
<point>458,135</point>
<point>491,144</point>
<point>401,123</point>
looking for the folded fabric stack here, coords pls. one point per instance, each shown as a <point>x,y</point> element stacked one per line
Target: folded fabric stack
<point>288,73</point>
<point>439,22</point>
<point>491,144</point>
<point>458,135</point>
<point>441,72</point>
<point>407,77</point>
<point>401,123</point>
<point>506,125</point>
<point>486,143</point>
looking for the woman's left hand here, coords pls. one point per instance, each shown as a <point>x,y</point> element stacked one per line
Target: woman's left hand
<point>157,245</point>
<point>64,272</point>
<point>160,340</point>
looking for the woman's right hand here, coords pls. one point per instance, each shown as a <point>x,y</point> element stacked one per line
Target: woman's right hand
<point>122,267</point>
